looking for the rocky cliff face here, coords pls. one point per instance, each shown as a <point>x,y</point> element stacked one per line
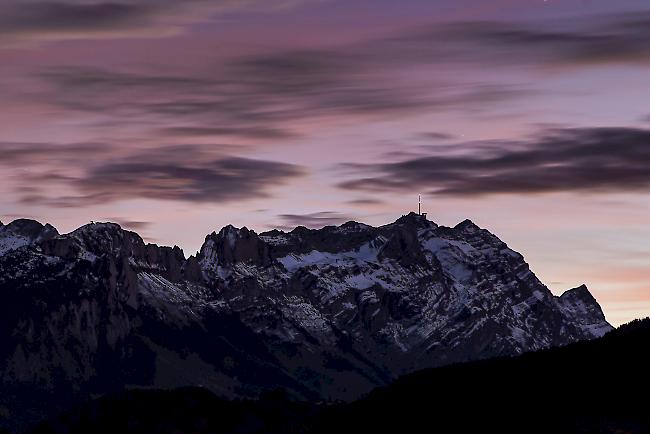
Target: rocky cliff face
<point>325,314</point>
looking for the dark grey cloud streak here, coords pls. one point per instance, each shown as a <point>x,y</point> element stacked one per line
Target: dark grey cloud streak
<point>617,38</point>
<point>613,38</point>
<point>259,98</point>
<point>256,133</point>
<point>134,225</point>
<point>315,220</point>
<point>560,160</point>
<point>219,180</point>
<point>38,20</point>
<point>43,17</point>
<point>263,96</point>
<point>365,202</point>
<point>182,173</point>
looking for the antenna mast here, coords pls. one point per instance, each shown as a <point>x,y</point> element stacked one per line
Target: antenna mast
<point>420,213</point>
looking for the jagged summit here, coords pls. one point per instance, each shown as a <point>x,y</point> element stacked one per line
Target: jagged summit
<point>413,219</point>
<point>29,228</point>
<point>232,245</point>
<point>580,291</point>
<point>23,232</point>
<point>325,313</point>
<point>582,305</point>
<point>467,225</point>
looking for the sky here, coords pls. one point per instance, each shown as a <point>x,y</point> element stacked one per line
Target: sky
<point>175,118</point>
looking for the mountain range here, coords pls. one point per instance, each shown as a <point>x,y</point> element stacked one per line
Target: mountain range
<point>325,315</point>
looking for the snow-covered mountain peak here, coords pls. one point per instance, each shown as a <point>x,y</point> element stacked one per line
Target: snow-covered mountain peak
<point>580,304</point>
<point>467,226</point>
<point>109,238</point>
<point>29,228</point>
<point>24,232</point>
<point>579,293</point>
<point>413,220</point>
<point>101,229</point>
<point>352,226</point>
<point>232,245</point>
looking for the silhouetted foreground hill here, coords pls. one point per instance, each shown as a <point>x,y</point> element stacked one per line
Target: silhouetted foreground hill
<point>186,410</point>
<point>599,386</point>
<point>587,387</point>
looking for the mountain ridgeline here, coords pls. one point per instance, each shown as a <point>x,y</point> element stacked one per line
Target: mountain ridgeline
<point>324,314</point>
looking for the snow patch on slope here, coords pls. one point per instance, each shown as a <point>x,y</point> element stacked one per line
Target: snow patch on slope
<point>293,262</point>
<point>12,242</point>
<point>453,257</point>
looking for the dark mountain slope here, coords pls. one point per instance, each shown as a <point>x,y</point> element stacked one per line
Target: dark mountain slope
<point>588,387</point>
<point>188,410</point>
